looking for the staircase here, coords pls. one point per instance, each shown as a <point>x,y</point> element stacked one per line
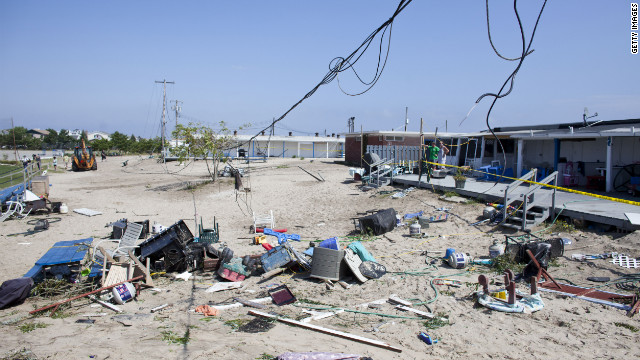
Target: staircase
<point>531,206</point>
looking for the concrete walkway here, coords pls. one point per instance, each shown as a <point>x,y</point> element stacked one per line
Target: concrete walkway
<point>575,206</point>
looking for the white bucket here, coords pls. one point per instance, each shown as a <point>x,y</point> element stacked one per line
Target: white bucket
<point>414,230</point>
<point>63,208</point>
<point>124,292</point>
<point>458,260</point>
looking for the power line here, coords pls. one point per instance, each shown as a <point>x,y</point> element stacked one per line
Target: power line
<point>339,64</point>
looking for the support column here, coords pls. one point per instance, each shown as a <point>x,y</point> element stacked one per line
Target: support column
<point>608,166</point>
<point>519,164</point>
<point>313,149</point>
<point>298,149</point>
<point>283,149</point>
<point>556,154</point>
<point>327,155</point>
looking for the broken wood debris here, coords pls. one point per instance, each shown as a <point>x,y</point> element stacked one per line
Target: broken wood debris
<point>328,331</point>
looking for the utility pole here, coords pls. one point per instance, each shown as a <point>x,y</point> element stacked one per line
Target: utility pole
<point>164,111</point>
<point>15,148</point>
<point>406,118</point>
<point>177,108</point>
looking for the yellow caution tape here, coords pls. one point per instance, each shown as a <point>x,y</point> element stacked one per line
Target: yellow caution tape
<point>630,202</point>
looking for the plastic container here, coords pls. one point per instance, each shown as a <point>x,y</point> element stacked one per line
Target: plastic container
<point>426,338</point>
<point>63,208</point>
<point>123,293</point>
<point>448,253</point>
<point>495,250</point>
<point>458,260</point>
<point>330,243</point>
<point>415,229</point>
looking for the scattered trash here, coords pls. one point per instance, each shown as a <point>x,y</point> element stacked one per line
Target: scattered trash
<point>158,308</point>
<point>281,295</point>
<point>626,262</point>
<point>458,260</point>
<point>426,338</point>
<point>341,334</point>
<point>123,292</point>
<point>495,250</point>
<point>319,356</point>
<point>378,223</point>
<point>184,276</point>
<point>327,263</point>
<point>257,325</point>
<point>87,212</point>
<point>207,310</point>
<point>526,303</point>
<point>372,270</point>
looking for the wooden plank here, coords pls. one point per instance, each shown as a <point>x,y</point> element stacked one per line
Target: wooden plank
<point>328,331</point>
<point>396,300</point>
<point>105,304</point>
<point>421,313</point>
<point>147,276</point>
<point>237,305</point>
<point>249,303</point>
<point>319,315</point>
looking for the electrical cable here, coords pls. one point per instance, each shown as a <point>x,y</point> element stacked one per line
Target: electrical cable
<point>491,41</point>
<point>340,64</point>
<point>510,78</point>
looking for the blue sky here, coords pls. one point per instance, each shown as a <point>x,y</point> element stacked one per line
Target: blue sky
<point>93,64</point>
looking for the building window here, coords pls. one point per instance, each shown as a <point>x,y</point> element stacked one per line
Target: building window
<point>393,138</point>
<point>358,138</point>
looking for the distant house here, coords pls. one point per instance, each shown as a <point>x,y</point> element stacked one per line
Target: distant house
<point>38,133</point>
<point>76,134</point>
<point>98,135</point>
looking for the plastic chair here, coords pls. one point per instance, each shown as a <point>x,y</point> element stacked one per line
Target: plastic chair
<point>495,170</point>
<point>508,173</point>
<point>263,221</point>
<point>126,243</point>
<point>209,236</point>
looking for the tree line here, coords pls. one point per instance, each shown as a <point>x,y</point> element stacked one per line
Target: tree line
<point>119,143</point>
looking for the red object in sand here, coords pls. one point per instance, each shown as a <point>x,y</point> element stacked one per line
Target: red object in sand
<point>267,246</point>
<point>261,230</point>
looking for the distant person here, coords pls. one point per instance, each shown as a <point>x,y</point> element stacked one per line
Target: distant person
<point>65,158</point>
<point>442,155</point>
<point>431,154</point>
<point>55,163</point>
<point>38,161</point>
<point>103,155</point>
<point>25,161</point>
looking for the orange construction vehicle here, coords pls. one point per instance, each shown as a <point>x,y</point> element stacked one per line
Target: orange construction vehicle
<point>83,158</point>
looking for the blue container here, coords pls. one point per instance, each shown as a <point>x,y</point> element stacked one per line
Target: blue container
<point>426,338</point>
<point>448,253</point>
<point>275,258</point>
<point>330,243</point>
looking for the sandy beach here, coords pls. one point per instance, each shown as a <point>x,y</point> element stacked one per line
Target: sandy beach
<point>316,210</point>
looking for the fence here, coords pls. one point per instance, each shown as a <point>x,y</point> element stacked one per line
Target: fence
<point>399,154</point>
